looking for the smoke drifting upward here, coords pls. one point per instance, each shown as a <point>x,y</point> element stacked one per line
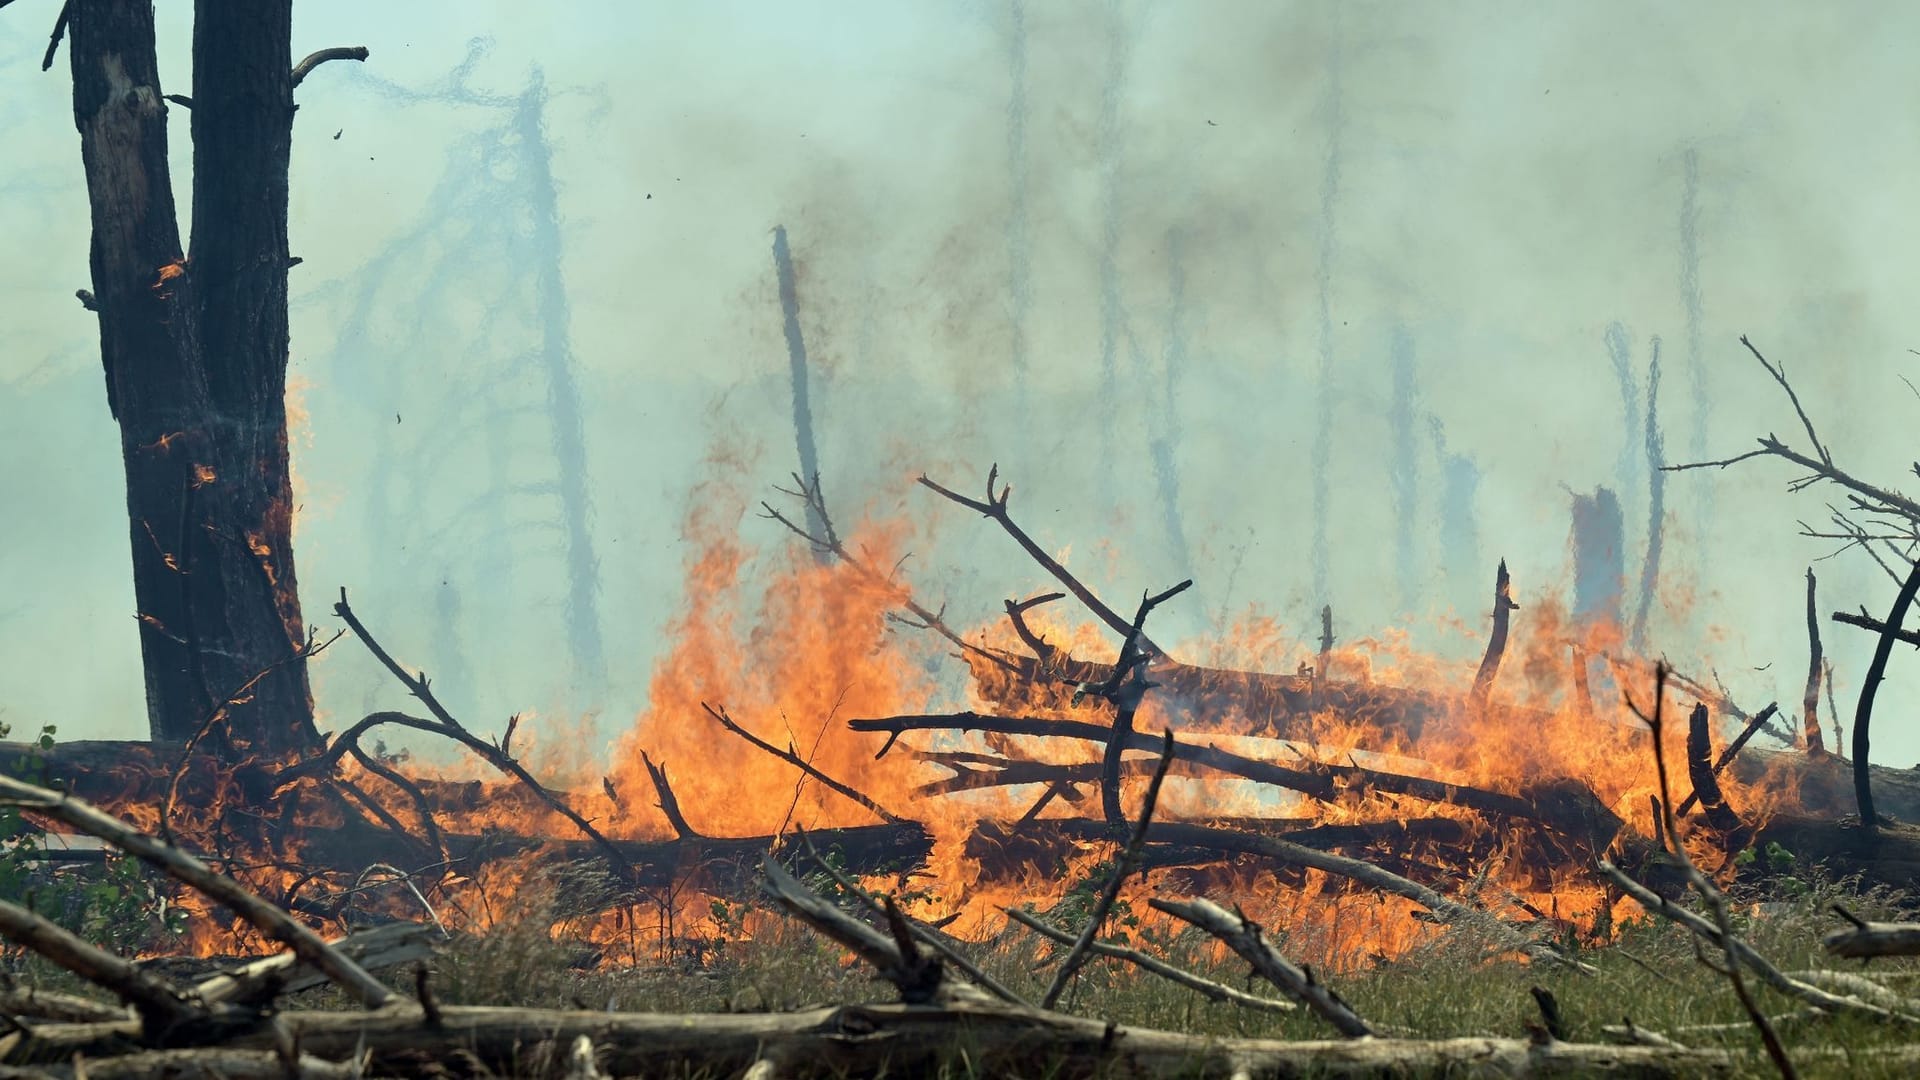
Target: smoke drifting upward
<point>1620,351</point>
<point>1690,302</point>
<point>1599,559</point>
<point>1174,365</point>
<point>1656,503</point>
<point>1112,87</point>
<point>797,365</point>
<point>1406,475</point>
<point>1323,281</point>
<point>1019,230</point>
<point>475,285</point>
<point>563,393</point>
<point>1459,521</point>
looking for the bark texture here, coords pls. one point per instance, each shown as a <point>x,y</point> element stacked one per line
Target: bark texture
<point>195,351</point>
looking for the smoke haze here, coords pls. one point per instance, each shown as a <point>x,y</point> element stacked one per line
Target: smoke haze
<point>1312,303</point>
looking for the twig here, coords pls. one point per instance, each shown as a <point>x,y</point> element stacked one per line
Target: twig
<point>1503,607</point>
<point>1206,987</point>
<point>269,920</point>
<point>314,59</point>
<point>1129,861</point>
<point>446,725</point>
<point>803,765</point>
<point>1863,713</point>
<point>1245,937</point>
<point>1779,374</point>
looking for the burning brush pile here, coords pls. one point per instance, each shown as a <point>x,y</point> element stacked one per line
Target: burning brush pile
<point>1369,801</point>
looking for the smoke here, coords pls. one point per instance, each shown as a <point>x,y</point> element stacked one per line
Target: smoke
<point>1459,515</point>
<point>1620,351</point>
<point>1599,558</point>
<point>1656,503</point>
<point>1169,437</point>
<point>1323,281</point>
<point>1112,314</point>
<point>1690,302</point>
<point>1019,228</point>
<point>797,362</point>
<point>477,283</point>
<point>1405,468</point>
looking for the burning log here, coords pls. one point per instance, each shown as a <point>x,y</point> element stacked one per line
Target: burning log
<point>1706,786</point>
<point>1565,806</point>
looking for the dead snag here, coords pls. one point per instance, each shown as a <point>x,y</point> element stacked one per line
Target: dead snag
<point>1706,786</point>
<point>1754,723</point>
<point>1503,607</point>
<point>1810,701</point>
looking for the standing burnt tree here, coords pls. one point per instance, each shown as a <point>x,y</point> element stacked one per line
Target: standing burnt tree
<point>195,348</point>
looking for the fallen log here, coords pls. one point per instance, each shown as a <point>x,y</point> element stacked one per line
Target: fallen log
<point>898,1039</point>
<point>1209,699</point>
<point>1564,805</point>
<point>1865,939</point>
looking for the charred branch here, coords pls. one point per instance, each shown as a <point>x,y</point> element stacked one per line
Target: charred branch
<point>1706,786</point>
<point>444,724</point>
<point>1720,764</point>
<point>1247,938</point>
<point>314,59</point>
<point>1810,700</point>
<point>803,765</point>
<point>1867,622</point>
<point>669,804</point>
<point>1503,608</point>
<point>1129,862</point>
<point>1573,810</point>
<point>1863,713</point>
<point>995,507</point>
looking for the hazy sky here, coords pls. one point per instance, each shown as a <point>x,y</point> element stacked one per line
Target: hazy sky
<point>1135,252</point>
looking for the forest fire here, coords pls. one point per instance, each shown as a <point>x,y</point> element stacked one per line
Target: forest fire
<point>1370,800</point>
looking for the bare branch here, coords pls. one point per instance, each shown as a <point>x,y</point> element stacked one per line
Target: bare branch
<point>314,59</point>
<point>1129,862</point>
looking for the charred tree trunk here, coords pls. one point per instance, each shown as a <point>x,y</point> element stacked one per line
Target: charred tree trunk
<point>195,351</point>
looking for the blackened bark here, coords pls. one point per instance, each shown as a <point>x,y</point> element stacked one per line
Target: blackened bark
<point>195,351</point>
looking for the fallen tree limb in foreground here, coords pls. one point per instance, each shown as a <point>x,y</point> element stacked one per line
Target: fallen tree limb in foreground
<point>1864,939</point>
<point>911,1040</point>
